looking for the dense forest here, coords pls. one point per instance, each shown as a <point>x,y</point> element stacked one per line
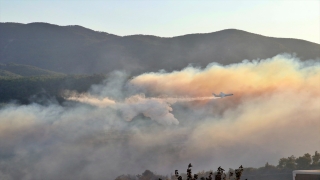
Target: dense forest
<point>40,89</point>
<point>282,171</point>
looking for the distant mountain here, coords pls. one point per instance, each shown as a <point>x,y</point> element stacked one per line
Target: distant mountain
<point>19,70</point>
<point>75,49</point>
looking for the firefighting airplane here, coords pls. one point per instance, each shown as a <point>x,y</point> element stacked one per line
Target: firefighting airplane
<point>221,95</point>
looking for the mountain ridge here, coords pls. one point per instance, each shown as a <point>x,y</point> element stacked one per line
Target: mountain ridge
<point>76,49</point>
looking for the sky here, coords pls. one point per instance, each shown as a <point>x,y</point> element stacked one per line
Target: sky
<point>287,19</point>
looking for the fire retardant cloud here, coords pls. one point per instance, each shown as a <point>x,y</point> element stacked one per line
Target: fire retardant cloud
<point>163,121</point>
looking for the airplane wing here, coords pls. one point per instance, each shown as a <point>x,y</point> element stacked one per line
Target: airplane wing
<point>215,95</point>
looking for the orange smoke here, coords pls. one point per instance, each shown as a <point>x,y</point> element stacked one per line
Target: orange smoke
<point>275,107</point>
<point>256,78</point>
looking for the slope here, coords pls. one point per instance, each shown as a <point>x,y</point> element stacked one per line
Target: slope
<point>75,49</point>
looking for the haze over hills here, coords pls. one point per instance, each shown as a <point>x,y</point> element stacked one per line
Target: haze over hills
<point>75,49</point>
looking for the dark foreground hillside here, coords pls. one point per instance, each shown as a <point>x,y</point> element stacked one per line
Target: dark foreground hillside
<point>75,49</point>
<point>41,89</point>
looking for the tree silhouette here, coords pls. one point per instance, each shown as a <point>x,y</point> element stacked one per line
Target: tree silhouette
<point>304,161</point>
<point>289,162</point>
<point>316,158</point>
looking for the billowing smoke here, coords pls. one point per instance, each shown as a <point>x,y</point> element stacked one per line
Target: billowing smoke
<point>158,109</point>
<point>163,121</point>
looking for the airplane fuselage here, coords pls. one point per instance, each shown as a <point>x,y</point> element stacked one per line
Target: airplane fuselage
<point>222,95</point>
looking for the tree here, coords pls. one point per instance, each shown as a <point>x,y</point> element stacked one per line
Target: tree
<point>316,158</point>
<point>282,163</point>
<point>289,162</point>
<point>304,161</point>
<point>267,166</point>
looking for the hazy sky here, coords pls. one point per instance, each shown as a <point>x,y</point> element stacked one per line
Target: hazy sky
<point>291,19</point>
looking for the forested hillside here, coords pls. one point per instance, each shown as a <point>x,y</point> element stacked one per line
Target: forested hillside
<point>75,49</point>
<point>41,89</point>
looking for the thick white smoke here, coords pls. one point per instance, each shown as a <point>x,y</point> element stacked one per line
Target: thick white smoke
<point>156,109</point>
<point>163,121</point>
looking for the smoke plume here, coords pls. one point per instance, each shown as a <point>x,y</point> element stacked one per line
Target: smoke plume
<point>162,121</point>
